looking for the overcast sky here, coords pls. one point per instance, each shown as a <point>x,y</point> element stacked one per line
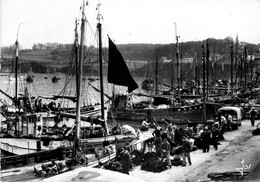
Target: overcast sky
<point>131,21</point>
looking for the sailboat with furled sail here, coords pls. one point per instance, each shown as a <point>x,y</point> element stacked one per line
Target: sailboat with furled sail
<point>121,77</point>
<point>77,157</point>
<point>96,122</point>
<point>125,111</point>
<point>85,151</point>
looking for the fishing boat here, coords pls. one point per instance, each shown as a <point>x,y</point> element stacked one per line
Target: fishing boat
<point>180,109</point>
<point>32,126</point>
<point>83,151</point>
<point>177,114</point>
<point>25,118</point>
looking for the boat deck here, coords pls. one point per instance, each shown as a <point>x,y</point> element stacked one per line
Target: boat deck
<point>26,173</point>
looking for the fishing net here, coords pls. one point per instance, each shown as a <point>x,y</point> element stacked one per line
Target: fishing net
<point>137,157</point>
<point>153,163</point>
<point>114,166</point>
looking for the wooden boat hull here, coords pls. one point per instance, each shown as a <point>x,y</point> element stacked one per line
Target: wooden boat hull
<point>62,151</point>
<point>33,140</point>
<point>179,115</point>
<point>23,146</point>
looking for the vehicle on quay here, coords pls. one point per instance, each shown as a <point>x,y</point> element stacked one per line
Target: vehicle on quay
<point>235,112</point>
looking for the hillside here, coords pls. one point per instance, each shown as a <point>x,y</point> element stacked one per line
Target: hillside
<point>57,58</point>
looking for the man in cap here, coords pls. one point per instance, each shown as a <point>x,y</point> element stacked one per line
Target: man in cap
<point>215,133</point>
<point>158,140</point>
<point>126,162</point>
<point>166,148</point>
<point>252,116</point>
<point>205,140</point>
<point>145,125</point>
<point>186,148</point>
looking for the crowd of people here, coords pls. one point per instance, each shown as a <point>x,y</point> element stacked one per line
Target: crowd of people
<point>175,141</point>
<point>179,141</point>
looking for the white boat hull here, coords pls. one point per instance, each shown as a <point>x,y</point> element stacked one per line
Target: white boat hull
<point>93,175</point>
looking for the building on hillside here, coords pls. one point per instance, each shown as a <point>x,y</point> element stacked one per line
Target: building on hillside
<point>256,56</point>
<point>47,46</point>
<point>187,60</point>
<point>165,60</point>
<point>256,61</point>
<point>183,60</point>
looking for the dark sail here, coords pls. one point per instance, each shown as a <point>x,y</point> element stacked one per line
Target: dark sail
<point>118,72</point>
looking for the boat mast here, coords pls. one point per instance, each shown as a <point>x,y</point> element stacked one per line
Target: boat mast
<point>79,70</point>
<point>245,65</point>
<point>177,59</point>
<point>181,65</point>
<point>196,72</point>
<point>99,26</point>
<point>156,72</point>
<point>198,75</point>
<point>236,61</point>
<point>148,76</point>
<point>16,71</point>
<point>241,65</point>
<point>213,68</point>
<point>16,66</point>
<point>207,57</point>
<point>181,76</point>
<point>251,67</point>
<point>232,60</point>
<point>172,79</point>
<point>204,85</point>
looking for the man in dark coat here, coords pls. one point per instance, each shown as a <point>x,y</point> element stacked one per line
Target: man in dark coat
<point>205,140</point>
<point>252,116</point>
<point>186,148</point>
<point>215,133</point>
<point>126,161</point>
<point>166,149</point>
<point>178,134</point>
<point>158,140</point>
